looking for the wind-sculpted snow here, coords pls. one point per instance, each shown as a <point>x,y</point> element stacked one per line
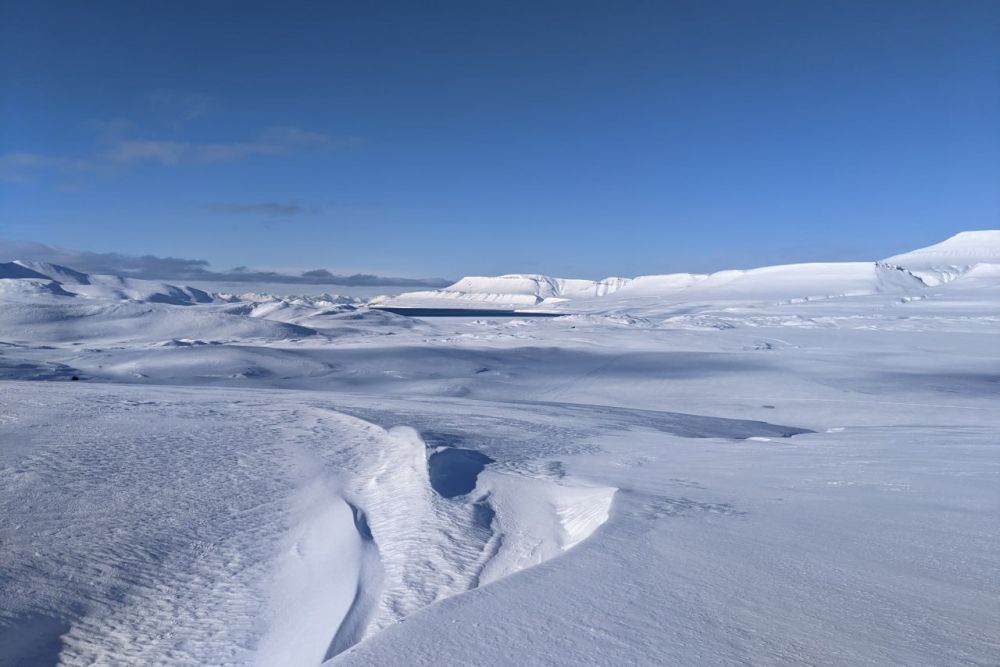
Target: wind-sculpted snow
<point>784,465</point>
<point>319,529</point>
<point>951,258</point>
<point>431,547</point>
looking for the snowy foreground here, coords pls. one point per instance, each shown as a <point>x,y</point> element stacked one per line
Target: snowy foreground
<point>788,465</point>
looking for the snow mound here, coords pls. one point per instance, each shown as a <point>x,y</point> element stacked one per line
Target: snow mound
<point>205,363</point>
<point>951,258</point>
<point>561,516</point>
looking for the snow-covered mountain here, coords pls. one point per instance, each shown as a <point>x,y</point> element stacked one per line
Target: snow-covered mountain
<point>972,256</point>
<point>100,286</point>
<point>909,272</point>
<point>53,303</point>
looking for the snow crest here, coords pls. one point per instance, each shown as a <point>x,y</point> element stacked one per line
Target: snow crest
<point>952,258</point>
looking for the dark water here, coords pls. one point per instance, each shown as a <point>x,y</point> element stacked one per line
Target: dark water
<point>454,472</point>
<point>463,312</point>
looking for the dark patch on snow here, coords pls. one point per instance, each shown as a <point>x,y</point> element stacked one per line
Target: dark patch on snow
<point>33,639</point>
<point>661,507</point>
<point>482,515</point>
<point>441,439</point>
<point>685,425</point>
<point>361,523</point>
<point>12,270</point>
<point>352,627</point>
<point>16,369</point>
<point>464,312</point>
<point>454,472</point>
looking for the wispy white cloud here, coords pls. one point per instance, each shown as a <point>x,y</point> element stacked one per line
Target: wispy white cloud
<point>110,129</point>
<point>165,152</point>
<point>265,208</point>
<point>179,106</point>
<point>273,141</point>
<point>121,150</point>
<point>24,167</point>
<point>175,152</point>
<point>297,137</point>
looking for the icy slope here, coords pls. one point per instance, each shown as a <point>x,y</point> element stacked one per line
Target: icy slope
<point>18,270</point>
<point>953,257</point>
<point>60,274</point>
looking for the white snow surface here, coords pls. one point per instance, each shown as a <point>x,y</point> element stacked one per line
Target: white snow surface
<point>953,257</point>
<point>786,465</point>
<point>105,287</point>
<point>931,266</point>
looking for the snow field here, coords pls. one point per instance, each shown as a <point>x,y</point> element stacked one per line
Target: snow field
<point>786,465</point>
<point>235,529</point>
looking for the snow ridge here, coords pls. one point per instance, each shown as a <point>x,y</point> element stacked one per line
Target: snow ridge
<point>104,286</point>
<point>952,258</point>
<point>432,548</point>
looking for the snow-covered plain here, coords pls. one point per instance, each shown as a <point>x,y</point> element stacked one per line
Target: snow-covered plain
<point>784,465</point>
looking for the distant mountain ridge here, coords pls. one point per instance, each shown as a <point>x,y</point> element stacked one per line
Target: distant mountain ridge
<point>76,283</point>
<point>970,255</point>
<point>185,271</point>
<point>925,267</point>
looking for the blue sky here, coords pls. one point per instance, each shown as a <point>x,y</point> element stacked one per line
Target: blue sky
<point>443,139</point>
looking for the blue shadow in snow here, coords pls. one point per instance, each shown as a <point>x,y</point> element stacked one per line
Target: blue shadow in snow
<point>454,472</point>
